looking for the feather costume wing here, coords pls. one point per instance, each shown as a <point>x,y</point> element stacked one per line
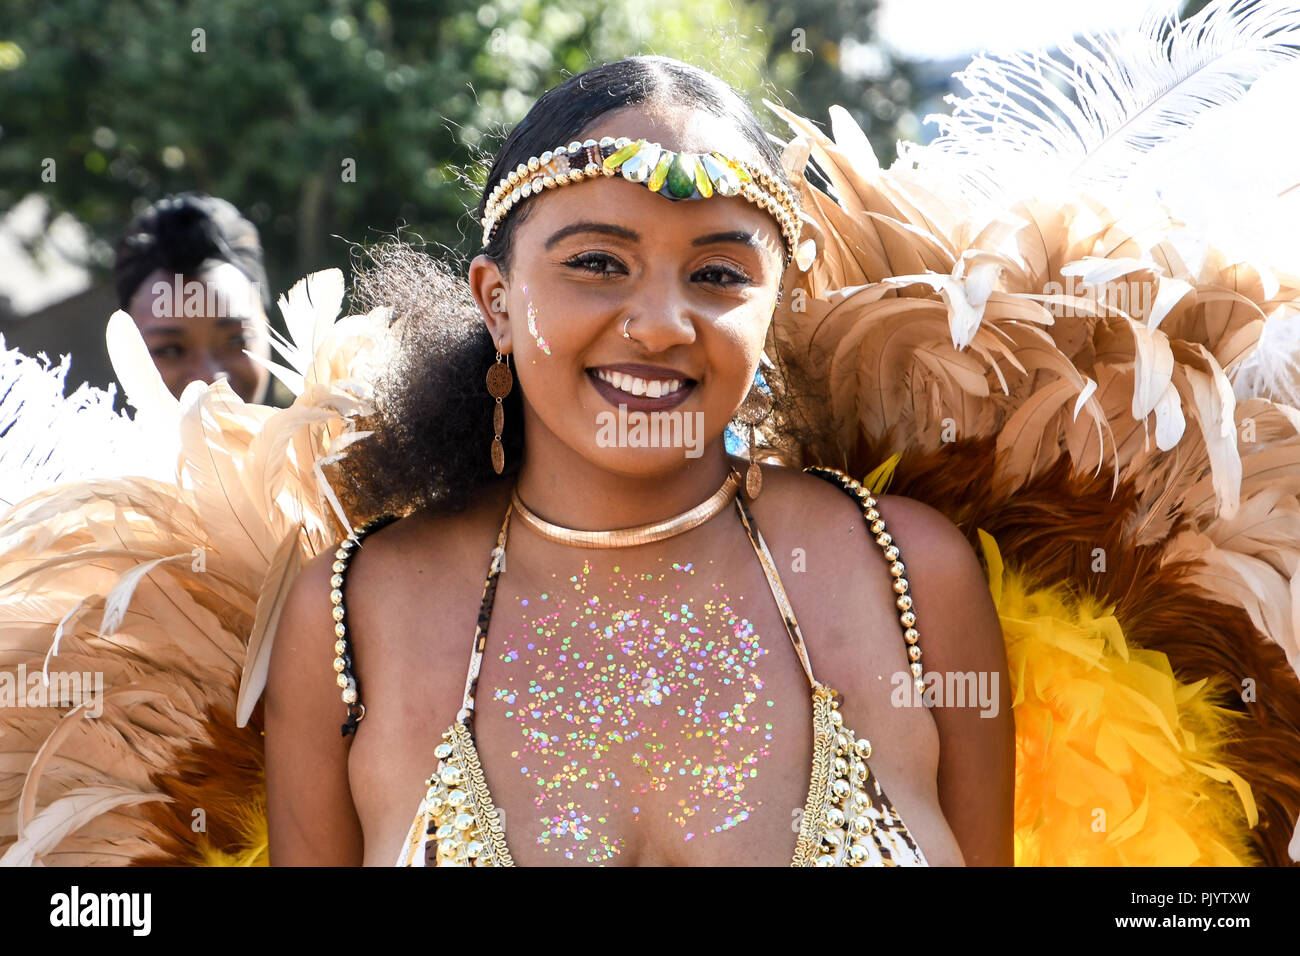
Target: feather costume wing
<point>149,602</point>
<point>1045,367</point>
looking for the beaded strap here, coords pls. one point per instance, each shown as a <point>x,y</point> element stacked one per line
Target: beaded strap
<point>495,567</point>
<point>777,588</point>
<point>462,826</point>
<point>906,614</point>
<point>342,650</point>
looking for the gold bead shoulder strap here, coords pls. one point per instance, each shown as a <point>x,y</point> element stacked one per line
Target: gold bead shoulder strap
<point>346,680</point>
<point>903,600</point>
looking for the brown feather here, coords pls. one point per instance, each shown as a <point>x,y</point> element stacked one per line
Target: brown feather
<point>1050,527</point>
<point>220,777</point>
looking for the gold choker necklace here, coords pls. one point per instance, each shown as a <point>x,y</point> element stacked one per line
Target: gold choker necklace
<point>628,537</point>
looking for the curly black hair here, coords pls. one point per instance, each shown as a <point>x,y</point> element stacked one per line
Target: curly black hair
<point>433,423</point>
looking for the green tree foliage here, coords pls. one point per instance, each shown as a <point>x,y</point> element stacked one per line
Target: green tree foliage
<point>325,118</point>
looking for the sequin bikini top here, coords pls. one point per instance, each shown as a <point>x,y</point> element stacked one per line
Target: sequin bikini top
<point>848,819</point>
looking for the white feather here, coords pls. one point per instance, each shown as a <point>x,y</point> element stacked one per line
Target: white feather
<point>47,437</point>
<point>67,815</point>
<point>73,612</point>
<point>1091,115</point>
<point>119,598</point>
<point>135,369</point>
<point>285,566</point>
<point>309,310</point>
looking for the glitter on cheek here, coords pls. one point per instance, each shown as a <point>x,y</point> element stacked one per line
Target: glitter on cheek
<point>533,330</point>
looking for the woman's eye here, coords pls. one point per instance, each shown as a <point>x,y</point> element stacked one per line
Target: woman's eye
<point>588,260</point>
<point>594,263</point>
<point>736,278</point>
<point>167,352</point>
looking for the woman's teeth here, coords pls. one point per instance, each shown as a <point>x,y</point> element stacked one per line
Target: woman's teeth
<point>651,388</point>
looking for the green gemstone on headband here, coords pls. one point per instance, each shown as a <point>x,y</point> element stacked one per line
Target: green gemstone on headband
<point>614,160</point>
<point>681,176</point>
<point>702,179</point>
<point>661,171</point>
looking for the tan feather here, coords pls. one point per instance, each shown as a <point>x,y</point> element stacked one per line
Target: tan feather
<point>284,568</point>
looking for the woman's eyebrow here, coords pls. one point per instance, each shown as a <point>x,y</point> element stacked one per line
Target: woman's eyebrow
<point>735,235</point>
<point>606,228</point>
<point>631,235</point>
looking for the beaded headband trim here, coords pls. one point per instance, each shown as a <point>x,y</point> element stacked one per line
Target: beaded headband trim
<point>675,175</point>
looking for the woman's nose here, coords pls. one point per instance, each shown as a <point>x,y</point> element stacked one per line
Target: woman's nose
<point>206,368</point>
<point>661,318</point>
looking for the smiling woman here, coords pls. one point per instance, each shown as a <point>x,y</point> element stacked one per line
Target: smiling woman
<point>189,272</point>
<point>651,678</point>
<point>556,631</point>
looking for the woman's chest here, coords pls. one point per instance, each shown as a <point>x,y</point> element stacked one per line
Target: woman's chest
<point>643,720</point>
<point>657,719</point>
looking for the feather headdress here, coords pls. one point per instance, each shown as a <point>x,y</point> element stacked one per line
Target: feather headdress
<point>1047,364</point>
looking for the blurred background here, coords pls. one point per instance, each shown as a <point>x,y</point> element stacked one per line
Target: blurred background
<point>327,122</point>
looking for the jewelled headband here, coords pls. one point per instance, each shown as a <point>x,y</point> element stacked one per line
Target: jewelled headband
<point>676,175</point>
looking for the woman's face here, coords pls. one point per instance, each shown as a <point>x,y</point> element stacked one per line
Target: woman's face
<point>694,282</point>
<point>198,329</point>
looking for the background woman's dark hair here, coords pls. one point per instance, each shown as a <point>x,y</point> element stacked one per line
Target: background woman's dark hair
<point>178,234</point>
<point>433,426</point>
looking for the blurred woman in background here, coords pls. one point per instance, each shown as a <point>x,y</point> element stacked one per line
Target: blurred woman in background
<point>189,271</point>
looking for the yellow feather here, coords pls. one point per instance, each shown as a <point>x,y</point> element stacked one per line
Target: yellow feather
<point>1118,763</point>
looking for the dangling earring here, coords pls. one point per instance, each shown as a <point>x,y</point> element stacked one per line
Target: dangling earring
<point>499,383</point>
<point>753,410</point>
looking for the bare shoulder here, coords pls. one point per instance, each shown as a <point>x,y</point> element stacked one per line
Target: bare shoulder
<point>806,495</point>
<point>408,576</point>
<point>812,507</point>
<point>945,578</point>
<point>960,636</point>
<point>955,610</point>
<point>426,556</point>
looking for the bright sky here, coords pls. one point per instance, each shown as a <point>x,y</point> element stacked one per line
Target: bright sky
<point>943,29</point>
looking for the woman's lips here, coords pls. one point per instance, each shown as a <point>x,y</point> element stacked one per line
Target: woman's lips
<point>642,403</point>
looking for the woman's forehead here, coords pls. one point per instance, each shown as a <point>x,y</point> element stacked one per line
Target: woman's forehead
<point>676,128</point>
<point>613,200</point>
<point>632,208</point>
<point>217,289</point>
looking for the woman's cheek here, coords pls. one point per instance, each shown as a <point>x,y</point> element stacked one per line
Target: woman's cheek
<point>243,377</point>
<point>175,379</point>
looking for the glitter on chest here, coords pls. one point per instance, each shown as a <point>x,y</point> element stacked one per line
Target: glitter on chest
<point>639,677</point>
